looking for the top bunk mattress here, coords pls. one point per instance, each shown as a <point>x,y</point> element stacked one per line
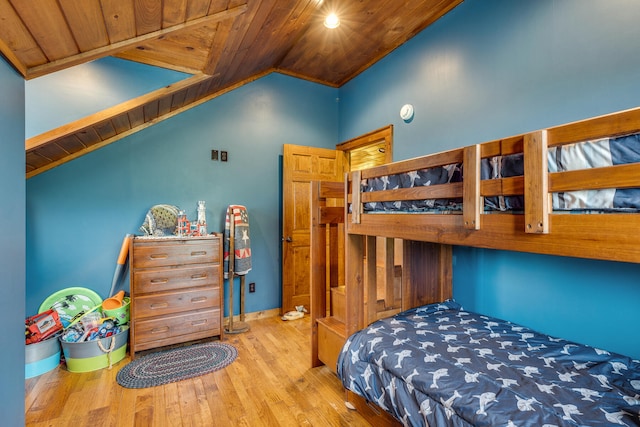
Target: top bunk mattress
<point>580,155</point>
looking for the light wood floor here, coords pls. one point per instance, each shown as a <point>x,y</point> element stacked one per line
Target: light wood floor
<point>269,384</point>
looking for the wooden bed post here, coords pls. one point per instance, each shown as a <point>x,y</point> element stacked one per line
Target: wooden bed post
<point>536,193</point>
<point>354,283</point>
<point>471,188</point>
<point>371,280</point>
<point>318,292</point>
<point>356,205</point>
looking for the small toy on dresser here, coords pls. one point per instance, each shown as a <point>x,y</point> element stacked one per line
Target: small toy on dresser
<point>168,221</point>
<point>202,218</point>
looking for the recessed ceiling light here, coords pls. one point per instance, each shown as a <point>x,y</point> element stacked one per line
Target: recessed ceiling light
<point>331,21</point>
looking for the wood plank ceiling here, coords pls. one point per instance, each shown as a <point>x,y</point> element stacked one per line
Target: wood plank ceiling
<point>222,43</point>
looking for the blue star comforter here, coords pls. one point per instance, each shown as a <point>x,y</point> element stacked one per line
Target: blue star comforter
<point>439,365</point>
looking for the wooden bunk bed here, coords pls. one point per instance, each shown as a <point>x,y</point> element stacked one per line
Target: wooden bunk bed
<point>536,220</point>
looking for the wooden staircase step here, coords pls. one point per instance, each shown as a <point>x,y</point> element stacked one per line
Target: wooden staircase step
<point>331,338</point>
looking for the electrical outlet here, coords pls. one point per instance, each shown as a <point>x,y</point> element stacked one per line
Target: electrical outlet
<point>252,287</point>
<point>214,154</point>
<point>223,156</point>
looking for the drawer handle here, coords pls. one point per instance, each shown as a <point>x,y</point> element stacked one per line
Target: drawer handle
<point>199,276</point>
<point>159,256</point>
<point>198,253</point>
<point>160,330</point>
<point>158,281</point>
<point>198,299</point>
<point>160,305</point>
<point>199,322</point>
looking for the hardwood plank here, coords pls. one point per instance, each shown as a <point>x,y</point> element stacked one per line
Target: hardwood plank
<point>105,129</point>
<point>188,404</point>
<point>216,405</point>
<point>235,31</point>
<point>173,12</point>
<point>217,6</point>
<point>40,16</point>
<point>52,152</point>
<point>119,19</point>
<point>35,161</point>
<point>191,94</point>
<point>136,116</point>
<point>197,8</point>
<point>203,404</point>
<point>20,47</point>
<point>618,123</point>
<point>148,15</point>
<point>436,191</point>
<point>151,111</point>
<point>70,144</point>
<point>89,136</point>
<point>121,123</point>
<point>177,100</point>
<point>86,23</point>
<point>184,51</point>
<point>164,105</point>
<point>438,159</point>
<point>618,176</point>
<point>258,32</point>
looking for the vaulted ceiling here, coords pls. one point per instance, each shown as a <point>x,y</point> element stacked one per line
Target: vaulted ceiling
<point>222,43</point>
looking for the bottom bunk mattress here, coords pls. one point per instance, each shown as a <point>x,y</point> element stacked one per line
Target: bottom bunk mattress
<point>440,365</point>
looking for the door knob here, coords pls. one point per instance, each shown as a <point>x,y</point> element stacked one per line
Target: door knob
<point>289,239</point>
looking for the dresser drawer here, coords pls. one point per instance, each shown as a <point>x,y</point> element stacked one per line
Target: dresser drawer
<point>165,330</point>
<point>167,303</point>
<point>171,279</point>
<point>159,253</point>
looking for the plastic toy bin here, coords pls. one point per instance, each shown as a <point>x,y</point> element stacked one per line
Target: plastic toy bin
<point>97,354</point>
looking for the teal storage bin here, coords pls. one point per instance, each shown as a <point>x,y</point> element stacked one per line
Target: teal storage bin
<point>41,357</point>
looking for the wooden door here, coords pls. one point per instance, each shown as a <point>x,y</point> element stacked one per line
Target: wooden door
<point>301,165</point>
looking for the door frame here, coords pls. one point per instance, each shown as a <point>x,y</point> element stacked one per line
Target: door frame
<point>383,134</point>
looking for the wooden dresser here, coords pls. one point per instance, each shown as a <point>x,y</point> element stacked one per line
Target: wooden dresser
<point>176,290</point>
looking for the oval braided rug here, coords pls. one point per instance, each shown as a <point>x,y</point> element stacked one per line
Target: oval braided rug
<point>176,364</point>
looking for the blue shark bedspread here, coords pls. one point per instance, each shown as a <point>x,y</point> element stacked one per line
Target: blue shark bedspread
<point>439,365</point>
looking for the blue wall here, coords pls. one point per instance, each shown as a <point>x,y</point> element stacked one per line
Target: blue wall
<point>12,246</point>
<point>78,213</point>
<point>68,95</point>
<point>495,68</point>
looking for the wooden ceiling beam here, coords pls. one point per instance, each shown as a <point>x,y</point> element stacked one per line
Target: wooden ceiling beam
<point>74,131</point>
<point>115,48</point>
<point>93,119</point>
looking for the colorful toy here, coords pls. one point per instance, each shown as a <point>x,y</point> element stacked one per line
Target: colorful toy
<point>42,326</point>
